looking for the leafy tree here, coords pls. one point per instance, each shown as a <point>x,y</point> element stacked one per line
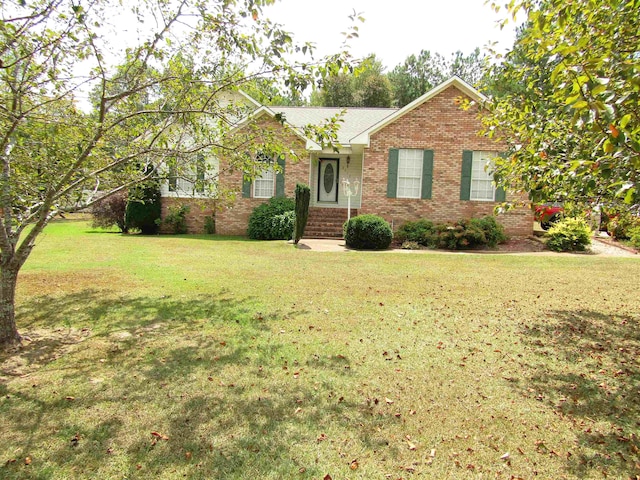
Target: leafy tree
<point>417,75</point>
<point>367,86</point>
<point>573,124</point>
<point>150,102</point>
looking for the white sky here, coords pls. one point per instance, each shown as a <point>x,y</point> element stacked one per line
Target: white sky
<point>394,29</point>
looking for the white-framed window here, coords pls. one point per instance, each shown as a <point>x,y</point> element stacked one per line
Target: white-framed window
<point>482,188</point>
<point>264,185</point>
<point>409,173</point>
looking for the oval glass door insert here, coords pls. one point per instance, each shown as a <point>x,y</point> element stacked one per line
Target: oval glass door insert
<point>329,178</point>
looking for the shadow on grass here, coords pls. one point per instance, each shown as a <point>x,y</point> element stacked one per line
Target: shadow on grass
<point>206,372</point>
<point>589,373</point>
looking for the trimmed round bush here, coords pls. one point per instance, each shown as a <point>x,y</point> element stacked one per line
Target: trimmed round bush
<point>266,221</point>
<point>368,232</point>
<point>493,231</point>
<point>569,235</point>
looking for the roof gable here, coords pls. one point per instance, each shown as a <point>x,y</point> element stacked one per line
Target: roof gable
<point>465,88</point>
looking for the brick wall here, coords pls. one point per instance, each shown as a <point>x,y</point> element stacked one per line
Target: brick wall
<point>439,125</point>
<point>232,217</point>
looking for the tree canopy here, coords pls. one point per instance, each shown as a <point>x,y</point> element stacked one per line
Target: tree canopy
<point>161,94</point>
<point>569,109</point>
<point>419,74</point>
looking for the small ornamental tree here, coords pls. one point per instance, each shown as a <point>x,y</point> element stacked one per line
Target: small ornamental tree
<point>110,211</point>
<point>303,197</point>
<point>154,106</point>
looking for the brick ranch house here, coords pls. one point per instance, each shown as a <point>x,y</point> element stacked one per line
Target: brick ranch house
<point>424,160</point>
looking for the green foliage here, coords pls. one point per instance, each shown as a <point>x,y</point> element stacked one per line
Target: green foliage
<point>421,231</point>
<point>634,237</point>
<point>144,208</point>
<point>464,234</point>
<point>571,112</point>
<point>269,222</point>
<point>368,232</point>
<point>177,218</point>
<point>283,225</point>
<point>303,197</point>
<point>620,223</point>
<point>366,87</point>
<point>210,224</point>
<point>418,75</point>
<point>569,235</point>
<point>492,230</point>
<point>110,211</point>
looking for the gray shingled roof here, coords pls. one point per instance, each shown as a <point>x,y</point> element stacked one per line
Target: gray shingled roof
<point>356,120</point>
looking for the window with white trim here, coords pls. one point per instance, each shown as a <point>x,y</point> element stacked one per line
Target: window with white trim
<point>264,185</point>
<point>409,173</point>
<point>482,187</point>
<point>191,179</point>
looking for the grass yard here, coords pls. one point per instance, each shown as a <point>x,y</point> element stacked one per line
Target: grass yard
<point>207,358</point>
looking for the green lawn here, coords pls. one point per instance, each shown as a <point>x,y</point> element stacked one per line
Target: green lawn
<point>202,357</point>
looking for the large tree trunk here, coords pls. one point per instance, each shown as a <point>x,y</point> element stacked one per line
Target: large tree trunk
<point>8,331</point>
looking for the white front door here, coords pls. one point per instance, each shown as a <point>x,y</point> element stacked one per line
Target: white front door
<point>328,180</point>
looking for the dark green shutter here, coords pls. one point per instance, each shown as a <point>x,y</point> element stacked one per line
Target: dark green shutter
<point>280,178</point>
<point>427,173</point>
<point>465,179</point>
<point>392,176</point>
<point>200,171</point>
<point>246,188</point>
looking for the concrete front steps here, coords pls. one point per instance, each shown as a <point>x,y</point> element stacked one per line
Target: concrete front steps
<point>326,222</point>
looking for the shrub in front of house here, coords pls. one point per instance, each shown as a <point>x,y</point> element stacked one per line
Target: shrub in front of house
<point>569,235</point>
<point>266,223</point>
<point>459,236</point>
<point>110,211</point>
<point>422,232</point>
<point>144,208</point>
<point>464,234</point>
<point>634,237</point>
<point>368,232</point>
<point>493,231</point>
<point>177,219</point>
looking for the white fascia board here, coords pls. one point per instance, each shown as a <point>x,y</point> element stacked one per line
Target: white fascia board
<point>251,100</point>
<point>464,87</point>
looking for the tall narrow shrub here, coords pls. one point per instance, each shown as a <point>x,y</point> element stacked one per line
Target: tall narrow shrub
<point>303,197</point>
<point>144,209</point>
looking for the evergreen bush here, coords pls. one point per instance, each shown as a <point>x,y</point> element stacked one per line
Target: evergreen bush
<point>144,208</point>
<point>569,235</point>
<point>177,219</point>
<point>422,232</point>
<point>367,232</point>
<point>303,197</point>
<point>261,221</point>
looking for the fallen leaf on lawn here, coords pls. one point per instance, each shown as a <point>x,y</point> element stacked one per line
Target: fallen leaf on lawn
<point>298,410</point>
<point>223,344</point>
<point>27,461</point>
<point>354,465</point>
<point>159,435</point>
<point>433,453</point>
<point>327,477</point>
<point>388,400</point>
<point>138,466</point>
<point>412,412</point>
<point>71,399</point>
<point>505,456</point>
<point>321,437</point>
<point>411,446</point>
<point>188,455</point>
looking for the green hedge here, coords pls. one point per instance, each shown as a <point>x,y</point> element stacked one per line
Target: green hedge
<point>367,232</point>
<point>269,222</point>
<point>464,234</point>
